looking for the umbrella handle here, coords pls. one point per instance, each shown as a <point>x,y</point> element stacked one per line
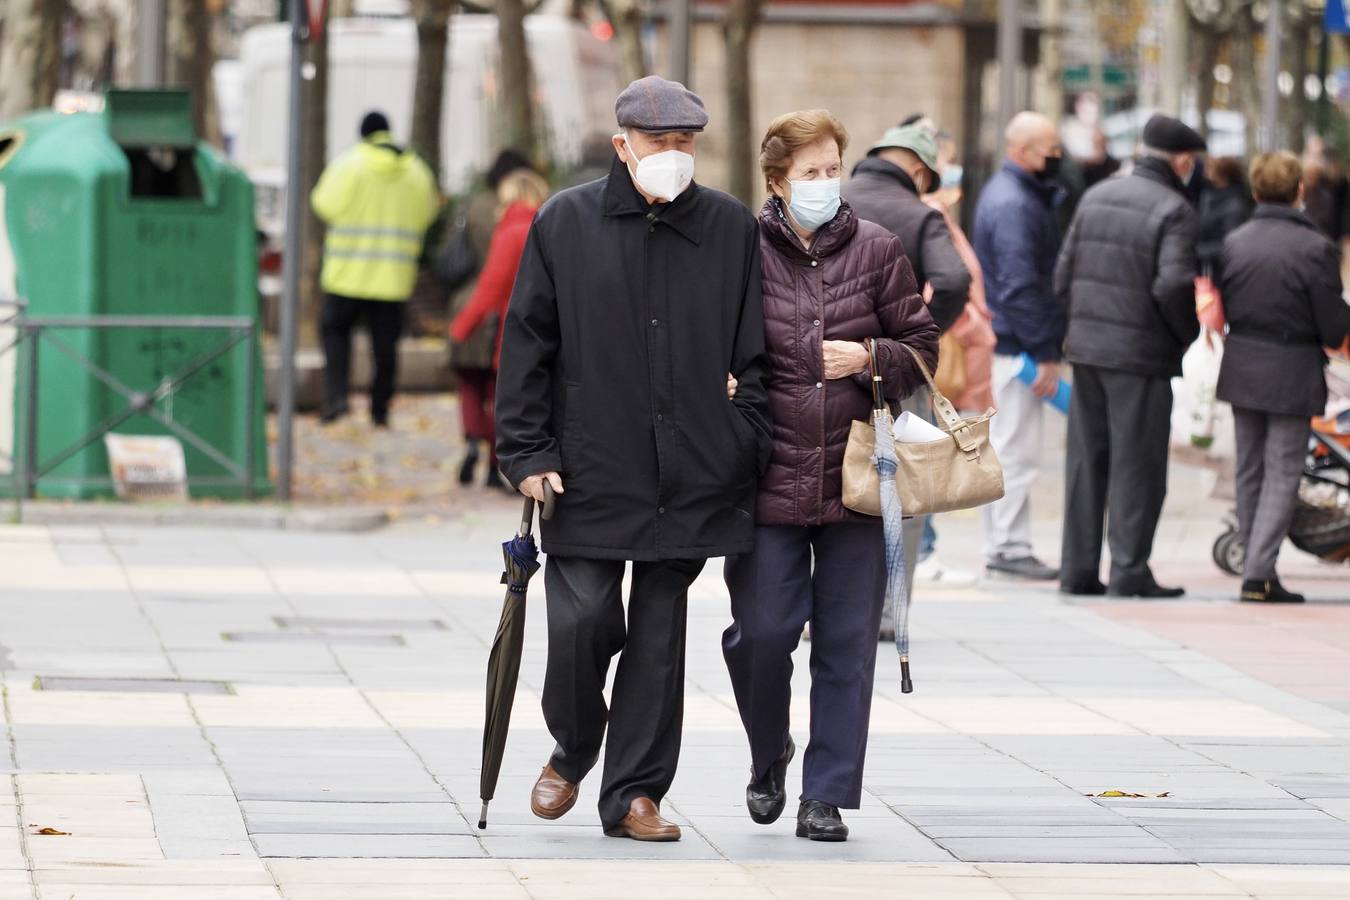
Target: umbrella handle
<point>545,513</point>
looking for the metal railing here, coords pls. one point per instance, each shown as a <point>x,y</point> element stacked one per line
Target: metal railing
<point>33,333</point>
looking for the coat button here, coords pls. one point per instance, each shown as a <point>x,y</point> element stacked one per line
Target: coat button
<point>660,418</point>
<point>816,322</point>
<point>814,263</point>
<point>817,449</point>
<point>820,384</point>
<point>654,323</point>
<point>661,510</point>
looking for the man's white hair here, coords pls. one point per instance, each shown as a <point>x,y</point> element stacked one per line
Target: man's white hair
<point>1025,127</point>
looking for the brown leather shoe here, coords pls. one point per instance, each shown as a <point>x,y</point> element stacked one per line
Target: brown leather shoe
<point>553,795</point>
<point>644,823</point>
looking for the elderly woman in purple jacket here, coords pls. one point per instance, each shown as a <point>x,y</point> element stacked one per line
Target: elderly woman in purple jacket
<point>830,284</point>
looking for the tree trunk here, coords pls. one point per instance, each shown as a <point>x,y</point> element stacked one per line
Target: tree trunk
<point>313,158</point>
<point>1207,51</point>
<point>625,16</point>
<point>738,30</point>
<point>189,59</point>
<point>513,66</point>
<point>1247,78</point>
<point>1298,110</point>
<point>30,55</point>
<point>433,24</point>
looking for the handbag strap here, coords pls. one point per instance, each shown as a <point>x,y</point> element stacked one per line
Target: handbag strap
<point>952,422</point>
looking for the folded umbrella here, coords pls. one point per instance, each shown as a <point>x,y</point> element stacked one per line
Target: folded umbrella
<point>521,557</point>
<point>892,519</point>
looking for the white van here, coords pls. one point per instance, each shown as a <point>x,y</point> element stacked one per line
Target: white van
<point>372,65</point>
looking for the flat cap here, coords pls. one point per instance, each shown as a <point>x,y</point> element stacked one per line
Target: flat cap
<point>917,140</point>
<point>657,106</point>
<point>1172,135</point>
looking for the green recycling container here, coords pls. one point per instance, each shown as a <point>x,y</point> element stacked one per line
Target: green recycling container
<point>123,213</point>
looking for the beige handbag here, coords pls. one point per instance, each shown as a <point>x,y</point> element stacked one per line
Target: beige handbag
<point>957,472</point>
<point>950,376</point>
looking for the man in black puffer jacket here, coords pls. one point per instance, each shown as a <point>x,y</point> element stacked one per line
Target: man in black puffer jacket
<point>1126,275</point>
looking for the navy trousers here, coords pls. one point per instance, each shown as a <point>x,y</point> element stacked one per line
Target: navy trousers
<point>775,590</point>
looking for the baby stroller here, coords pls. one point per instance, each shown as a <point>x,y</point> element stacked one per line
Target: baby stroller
<point>1321,524</point>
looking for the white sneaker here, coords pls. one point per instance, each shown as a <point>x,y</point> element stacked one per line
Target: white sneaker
<point>931,573</point>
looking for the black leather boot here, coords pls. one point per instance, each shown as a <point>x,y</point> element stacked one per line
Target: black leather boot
<point>466,468</point>
<point>1268,592</point>
<point>820,822</point>
<point>766,797</point>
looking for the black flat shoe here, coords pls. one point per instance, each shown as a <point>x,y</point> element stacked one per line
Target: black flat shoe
<point>767,797</point>
<point>1091,588</point>
<point>466,468</point>
<point>820,822</point>
<point>1149,591</point>
<point>1272,591</point>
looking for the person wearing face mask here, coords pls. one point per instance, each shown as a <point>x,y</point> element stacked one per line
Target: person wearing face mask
<point>632,382</point>
<point>887,188</point>
<point>1126,278</point>
<point>831,282</point>
<point>1016,239</point>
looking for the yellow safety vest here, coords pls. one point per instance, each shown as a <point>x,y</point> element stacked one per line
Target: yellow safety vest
<point>377,203</point>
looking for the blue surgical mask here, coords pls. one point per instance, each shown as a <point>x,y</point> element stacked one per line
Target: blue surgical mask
<point>952,175</point>
<point>814,203</point>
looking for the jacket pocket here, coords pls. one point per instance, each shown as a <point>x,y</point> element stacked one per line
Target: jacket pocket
<point>573,434</point>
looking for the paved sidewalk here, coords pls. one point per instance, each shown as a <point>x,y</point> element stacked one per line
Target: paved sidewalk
<point>331,747</point>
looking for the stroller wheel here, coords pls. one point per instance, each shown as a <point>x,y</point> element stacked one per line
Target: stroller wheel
<point>1228,553</point>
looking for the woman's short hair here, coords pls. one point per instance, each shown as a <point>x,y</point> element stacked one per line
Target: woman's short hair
<point>791,132</point>
<point>522,186</point>
<point>1225,170</point>
<point>1275,177</point>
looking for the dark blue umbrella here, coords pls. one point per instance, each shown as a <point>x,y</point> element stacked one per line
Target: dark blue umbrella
<point>521,558</point>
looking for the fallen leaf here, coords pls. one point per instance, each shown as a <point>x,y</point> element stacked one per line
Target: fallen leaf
<point>1165,794</point>
<point>1116,794</point>
<point>50,831</point>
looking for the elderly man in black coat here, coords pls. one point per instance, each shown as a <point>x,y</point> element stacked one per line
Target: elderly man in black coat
<point>1281,287</point>
<point>632,381</point>
<point>1126,274</point>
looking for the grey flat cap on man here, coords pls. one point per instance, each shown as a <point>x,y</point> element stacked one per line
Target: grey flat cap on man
<point>1172,136</point>
<point>658,106</point>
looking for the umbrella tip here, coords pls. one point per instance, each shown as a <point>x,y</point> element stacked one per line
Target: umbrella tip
<point>482,818</point>
<point>906,686</point>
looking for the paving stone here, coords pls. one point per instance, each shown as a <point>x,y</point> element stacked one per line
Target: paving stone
<point>359,846</point>
<point>320,622</point>
<point>132,685</point>
<point>305,637</point>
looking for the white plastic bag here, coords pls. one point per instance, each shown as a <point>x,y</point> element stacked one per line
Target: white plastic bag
<point>1200,372</point>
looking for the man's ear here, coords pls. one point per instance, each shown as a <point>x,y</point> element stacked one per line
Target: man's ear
<point>620,144</point>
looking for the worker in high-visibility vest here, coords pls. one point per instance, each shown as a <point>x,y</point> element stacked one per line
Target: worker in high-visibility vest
<point>377,200</point>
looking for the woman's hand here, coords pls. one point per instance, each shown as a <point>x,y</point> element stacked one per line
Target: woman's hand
<point>732,384</point>
<point>844,358</point>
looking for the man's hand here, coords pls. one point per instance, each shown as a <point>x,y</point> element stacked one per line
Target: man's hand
<point>844,358</point>
<point>732,384</point>
<point>1047,379</point>
<point>534,485</point>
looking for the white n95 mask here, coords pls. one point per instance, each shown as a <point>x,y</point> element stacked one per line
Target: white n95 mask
<point>663,175</point>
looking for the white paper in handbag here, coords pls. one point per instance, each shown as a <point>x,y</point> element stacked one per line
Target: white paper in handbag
<point>911,429</point>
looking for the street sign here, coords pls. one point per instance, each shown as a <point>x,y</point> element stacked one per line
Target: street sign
<point>1335,19</point>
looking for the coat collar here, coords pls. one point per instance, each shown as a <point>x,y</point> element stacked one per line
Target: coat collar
<point>1155,169</point>
<point>1287,213</point>
<point>832,237</point>
<point>886,169</point>
<point>1048,192</point>
<point>682,214</point>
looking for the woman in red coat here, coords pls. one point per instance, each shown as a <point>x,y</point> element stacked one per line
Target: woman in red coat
<point>520,195</point>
